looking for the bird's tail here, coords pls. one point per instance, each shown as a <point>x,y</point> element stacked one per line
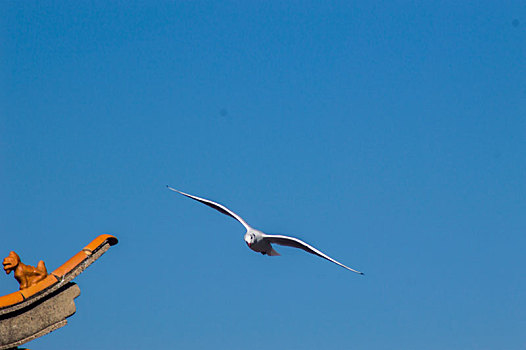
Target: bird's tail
<point>273,252</point>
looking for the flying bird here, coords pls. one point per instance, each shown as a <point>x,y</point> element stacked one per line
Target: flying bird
<point>262,242</point>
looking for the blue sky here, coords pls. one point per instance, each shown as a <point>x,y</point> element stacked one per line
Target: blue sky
<point>389,135</point>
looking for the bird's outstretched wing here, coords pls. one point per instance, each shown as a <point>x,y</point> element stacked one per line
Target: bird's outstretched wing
<point>220,208</point>
<point>297,243</point>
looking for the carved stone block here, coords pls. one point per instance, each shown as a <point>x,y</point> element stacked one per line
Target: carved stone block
<point>39,318</point>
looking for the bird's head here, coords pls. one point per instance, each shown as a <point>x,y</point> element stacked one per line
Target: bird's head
<point>250,238</point>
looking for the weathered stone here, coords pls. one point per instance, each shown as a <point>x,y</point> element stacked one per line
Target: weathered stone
<point>38,318</point>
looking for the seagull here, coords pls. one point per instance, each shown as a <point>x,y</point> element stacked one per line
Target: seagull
<point>262,242</point>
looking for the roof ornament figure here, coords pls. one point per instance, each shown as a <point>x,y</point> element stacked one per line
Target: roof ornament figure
<point>26,275</point>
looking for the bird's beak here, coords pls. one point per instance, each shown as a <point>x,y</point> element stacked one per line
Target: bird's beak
<point>249,244</point>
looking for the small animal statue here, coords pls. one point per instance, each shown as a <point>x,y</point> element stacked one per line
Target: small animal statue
<point>26,275</point>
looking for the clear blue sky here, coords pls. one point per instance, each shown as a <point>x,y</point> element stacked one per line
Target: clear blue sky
<point>390,135</point>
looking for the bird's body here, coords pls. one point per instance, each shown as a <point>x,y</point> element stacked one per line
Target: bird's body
<point>256,241</point>
<point>259,241</point>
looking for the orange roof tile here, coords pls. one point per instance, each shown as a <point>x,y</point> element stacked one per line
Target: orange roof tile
<point>11,299</point>
<point>70,264</point>
<point>97,242</point>
<point>40,286</point>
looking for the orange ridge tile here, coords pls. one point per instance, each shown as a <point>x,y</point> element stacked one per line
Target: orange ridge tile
<point>70,264</point>
<point>11,299</point>
<point>40,286</point>
<point>97,242</point>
